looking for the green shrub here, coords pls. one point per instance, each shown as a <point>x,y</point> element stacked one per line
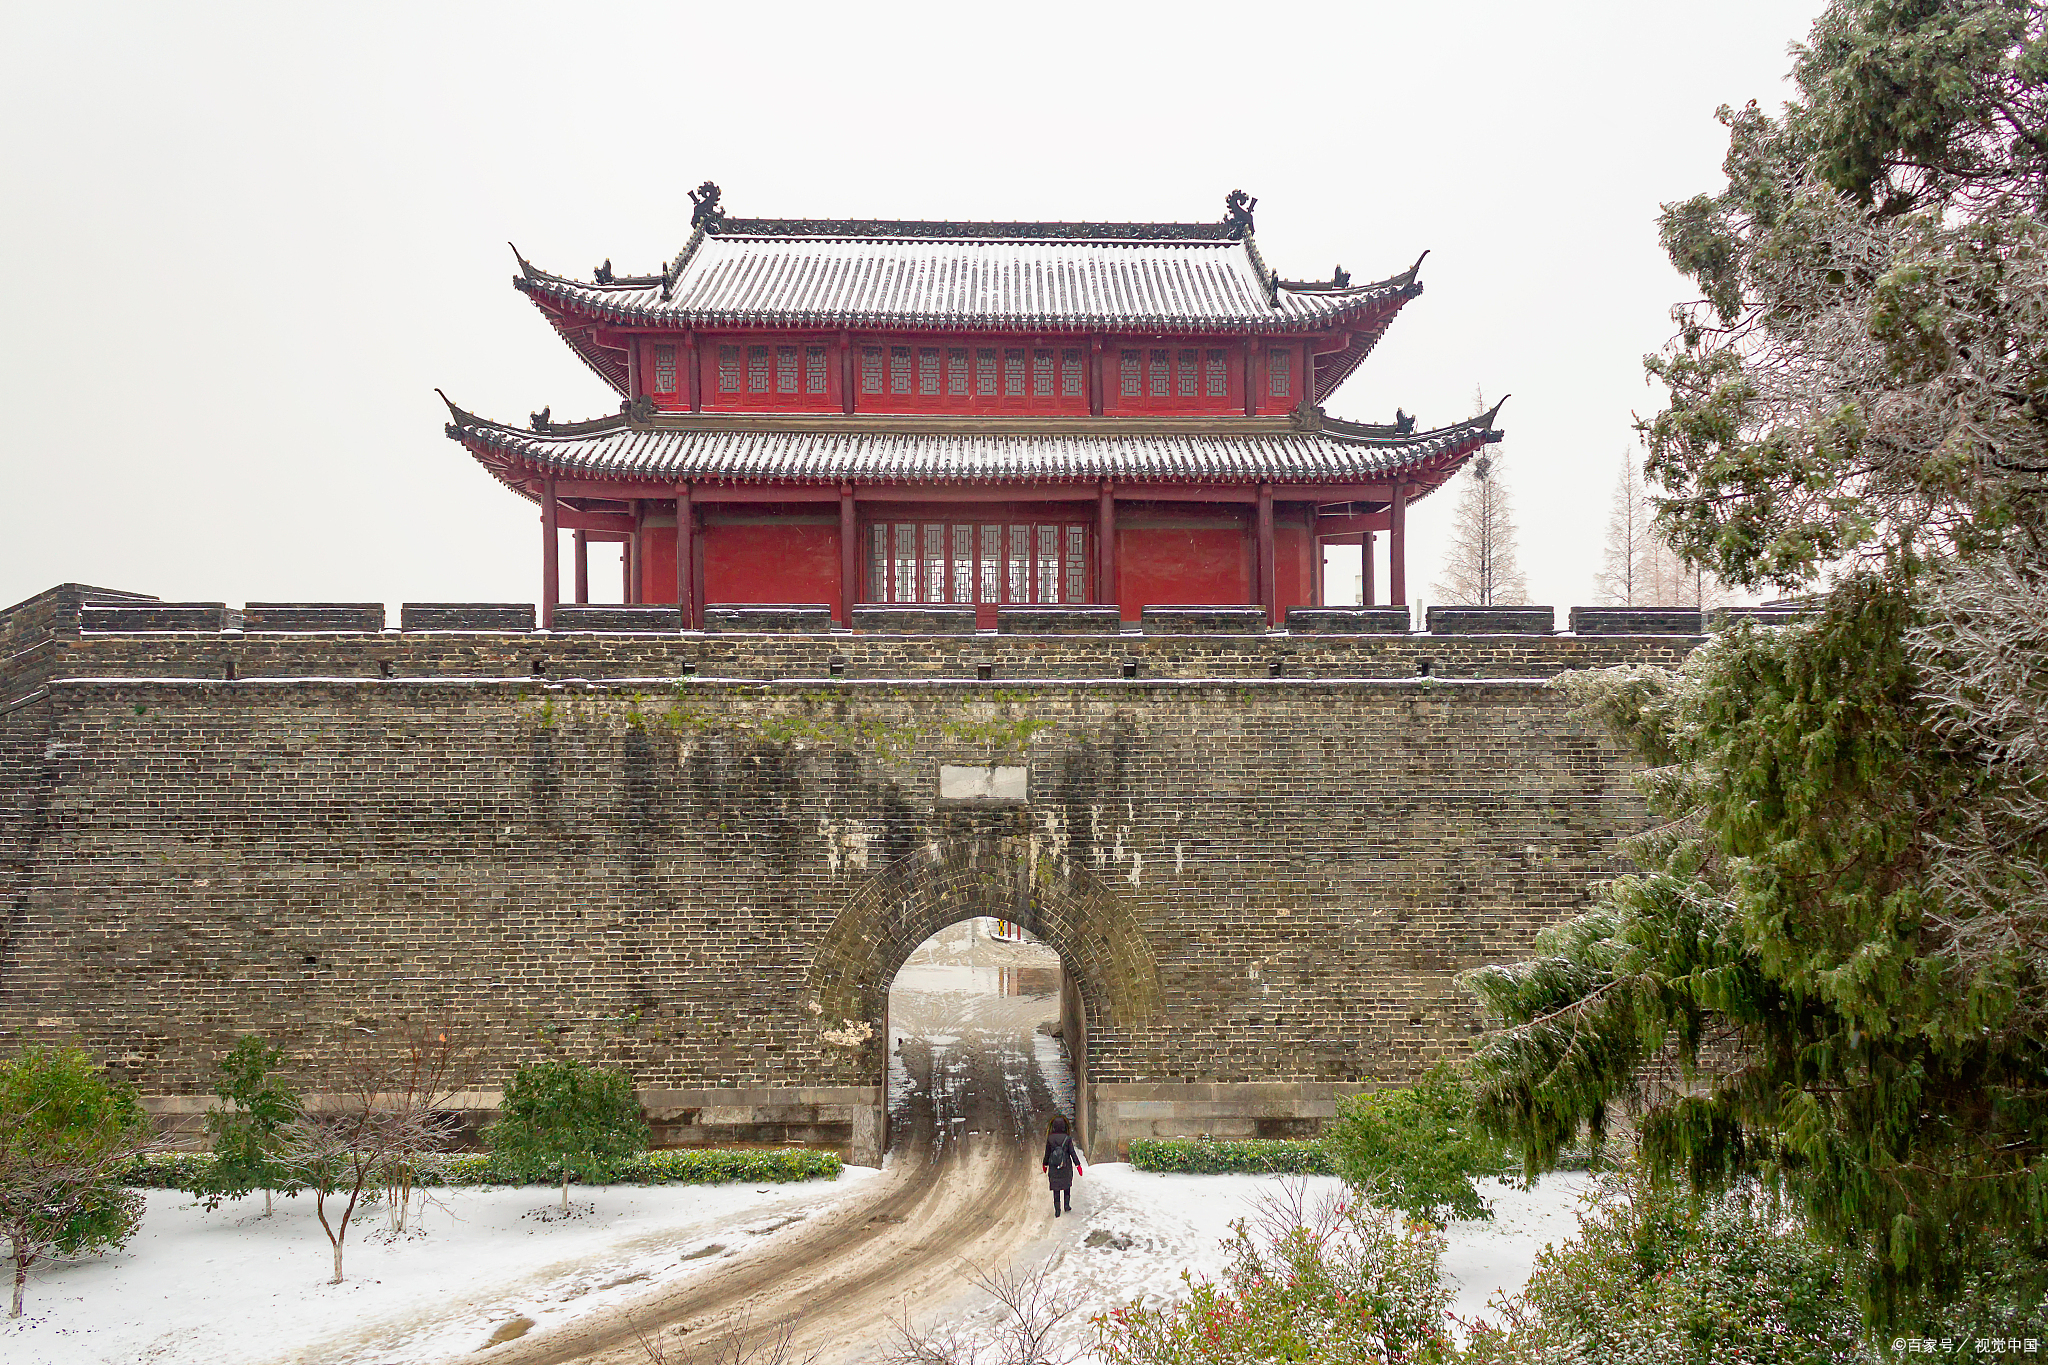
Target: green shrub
<point>186,1171</point>
<point>702,1166</point>
<point>189,1171</point>
<point>567,1119</point>
<point>66,1136</point>
<point>1657,1276</point>
<point>1416,1147</point>
<point>1231,1156</point>
<point>1308,1280</point>
<point>247,1126</point>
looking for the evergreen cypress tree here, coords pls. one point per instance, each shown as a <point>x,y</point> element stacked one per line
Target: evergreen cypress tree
<point>1832,967</point>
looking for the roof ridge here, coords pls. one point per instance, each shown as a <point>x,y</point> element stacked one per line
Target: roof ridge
<point>940,229</point>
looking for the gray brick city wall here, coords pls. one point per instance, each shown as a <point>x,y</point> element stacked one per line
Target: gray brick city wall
<point>1263,858</point>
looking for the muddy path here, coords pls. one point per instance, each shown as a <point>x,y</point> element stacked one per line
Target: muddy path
<point>962,1189</point>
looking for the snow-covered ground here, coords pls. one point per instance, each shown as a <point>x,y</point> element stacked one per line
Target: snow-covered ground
<point>1147,1228</point>
<point>230,1287</point>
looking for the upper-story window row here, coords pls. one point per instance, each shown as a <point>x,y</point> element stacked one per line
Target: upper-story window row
<point>969,375</point>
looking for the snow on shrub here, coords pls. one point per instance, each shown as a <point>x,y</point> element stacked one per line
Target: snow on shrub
<point>1309,1279</point>
<point>1231,1156</point>
<point>188,1171</point>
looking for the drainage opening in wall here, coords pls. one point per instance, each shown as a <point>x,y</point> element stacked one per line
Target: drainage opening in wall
<point>980,1022</point>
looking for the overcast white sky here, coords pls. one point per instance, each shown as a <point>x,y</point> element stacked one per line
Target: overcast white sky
<point>244,243</point>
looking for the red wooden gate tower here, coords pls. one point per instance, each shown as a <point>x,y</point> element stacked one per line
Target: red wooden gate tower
<point>856,412</point>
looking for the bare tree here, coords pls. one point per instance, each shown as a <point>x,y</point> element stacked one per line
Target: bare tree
<point>1479,569</point>
<point>1639,566</point>
<point>1033,1310</point>
<point>1620,582</point>
<point>384,1107</point>
<point>736,1344</point>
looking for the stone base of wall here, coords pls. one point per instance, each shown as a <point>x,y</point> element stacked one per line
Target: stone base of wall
<point>846,1119</point>
<point>1261,1109</point>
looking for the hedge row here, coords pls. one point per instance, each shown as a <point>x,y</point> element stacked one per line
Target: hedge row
<point>186,1170</point>
<point>1232,1156</point>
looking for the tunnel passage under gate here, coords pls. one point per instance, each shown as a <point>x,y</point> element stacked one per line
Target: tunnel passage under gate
<point>1110,981</point>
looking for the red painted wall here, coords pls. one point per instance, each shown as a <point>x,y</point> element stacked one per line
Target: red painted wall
<point>1292,546</point>
<point>1203,564</point>
<point>658,564</point>
<point>771,562</point>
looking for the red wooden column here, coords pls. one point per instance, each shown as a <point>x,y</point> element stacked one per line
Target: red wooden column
<point>1397,550</point>
<point>582,567</point>
<point>1365,569</point>
<point>636,555</point>
<point>696,368</point>
<point>846,386</point>
<point>849,555</point>
<point>626,570</point>
<point>550,553</point>
<point>1315,556</point>
<point>686,557</point>
<point>1251,377</point>
<point>1095,376</point>
<point>1262,575</point>
<point>1105,547</point>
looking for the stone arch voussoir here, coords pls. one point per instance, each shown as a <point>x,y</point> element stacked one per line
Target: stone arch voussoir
<point>1091,927</point>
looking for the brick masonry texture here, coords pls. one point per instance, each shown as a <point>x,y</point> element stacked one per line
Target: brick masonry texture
<point>703,857</point>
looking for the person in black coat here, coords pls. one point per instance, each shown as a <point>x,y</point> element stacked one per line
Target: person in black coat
<point>1062,1163</point>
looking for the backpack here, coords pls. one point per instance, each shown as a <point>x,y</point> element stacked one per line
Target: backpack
<point>1061,1158</point>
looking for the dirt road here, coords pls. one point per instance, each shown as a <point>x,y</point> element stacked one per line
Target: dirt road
<point>962,1189</point>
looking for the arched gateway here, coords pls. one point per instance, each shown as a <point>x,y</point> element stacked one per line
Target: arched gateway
<point>1111,980</point>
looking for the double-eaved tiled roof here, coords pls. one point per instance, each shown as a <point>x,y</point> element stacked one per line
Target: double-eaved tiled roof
<point>895,451</point>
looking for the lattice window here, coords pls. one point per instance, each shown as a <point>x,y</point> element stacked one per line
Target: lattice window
<point>1159,375</point>
<point>1048,563</point>
<point>664,369</point>
<point>1041,373</point>
<point>963,563</point>
<point>985,371</point>
<point>786,377</point>
<point>934,562</point>
<point>814,369</point>
<point>956,372</point>
<point>871,373</point>
<point>1216,369</point>
<point>906,562</point>
<point>991,564</point>
<point>1073,377</point>
<point>1279,373</point>
<point>878,563</point>
<point>728,369</point>
<point>757,369</point>
<point>1186,374</point>
<point>1013,372</point>
<point>928,371</point>
<point>1020,564</point>
<point>899,369</point>
<point>1131,374</point>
